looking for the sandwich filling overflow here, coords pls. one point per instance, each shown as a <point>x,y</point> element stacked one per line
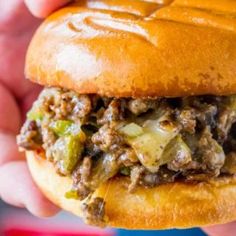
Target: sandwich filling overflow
<point>92,139</point>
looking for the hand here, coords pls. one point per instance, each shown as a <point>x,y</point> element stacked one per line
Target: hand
<point>16,95</point>
<point>219,230</point>
<point>42,8</point>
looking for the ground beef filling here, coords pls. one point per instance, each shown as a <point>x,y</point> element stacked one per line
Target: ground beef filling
<point>150,141</point>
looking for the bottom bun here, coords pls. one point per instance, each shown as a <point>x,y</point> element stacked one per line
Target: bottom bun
<point>175,205</point>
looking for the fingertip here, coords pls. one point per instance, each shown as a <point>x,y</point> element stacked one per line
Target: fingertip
<point>219,230</point>
<point>40,206</point>
<point>43,8</point>
<point>17,188</point>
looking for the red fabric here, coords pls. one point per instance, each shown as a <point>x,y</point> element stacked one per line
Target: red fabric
<point>22,232</point>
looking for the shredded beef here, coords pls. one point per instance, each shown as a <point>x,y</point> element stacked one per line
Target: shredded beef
<point>212,154</point>
<point>112,113</point>
<point>205,126</point>
<point>230,163</point>
<point>187,118</point>
<point>86,169</point>
<point>200,132</point>
<point>206,115</point>
<point>135,177</point>
<point>164,175</point>
<point>107,138</point>
<point>139,106</point>
<point>94,212</point>
<point>81,176</point>
<point>226,119</point>
<point>49,138</point>
<point>82,106</point>
<point>180,162</point>
<point>128,157</point>
<point>30,138</point>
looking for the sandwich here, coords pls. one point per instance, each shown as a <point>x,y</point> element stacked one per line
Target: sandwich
<point>136,125</point>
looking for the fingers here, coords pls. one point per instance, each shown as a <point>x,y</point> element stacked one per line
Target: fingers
<point>42,8</point>
<point>10,117</point>
<point>28,99</point>
<point>9,149</point>
<point>219,230</point>
<point>15,16</point>
<point>16,31</point>
<point>18,189</point>
<point>16,185</point>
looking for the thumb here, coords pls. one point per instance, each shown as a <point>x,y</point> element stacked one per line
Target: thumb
<point>219,230</point>
<point>42,8</point>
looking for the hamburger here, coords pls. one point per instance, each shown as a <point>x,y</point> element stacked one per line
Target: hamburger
<point>136,125</point>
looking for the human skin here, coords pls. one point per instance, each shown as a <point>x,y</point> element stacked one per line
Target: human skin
<point>16,96</point>
<point>221,230</point>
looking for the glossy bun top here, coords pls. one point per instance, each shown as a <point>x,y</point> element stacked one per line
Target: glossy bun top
<point>135,48</point>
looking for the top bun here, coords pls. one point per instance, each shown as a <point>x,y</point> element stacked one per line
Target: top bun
<point>135,48</point>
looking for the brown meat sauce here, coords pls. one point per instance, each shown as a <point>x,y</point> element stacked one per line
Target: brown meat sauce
<point>201,146</point>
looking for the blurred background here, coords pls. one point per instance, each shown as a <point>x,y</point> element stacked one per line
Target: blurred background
<point>18,222</point>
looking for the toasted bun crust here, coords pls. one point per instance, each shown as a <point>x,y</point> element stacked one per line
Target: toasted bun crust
<point>126,48</point>
<point>178,205</point>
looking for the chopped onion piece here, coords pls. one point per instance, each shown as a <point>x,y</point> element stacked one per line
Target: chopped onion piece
<point>177,153</point>
<point>131,130</point>
<point>150,144</point>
